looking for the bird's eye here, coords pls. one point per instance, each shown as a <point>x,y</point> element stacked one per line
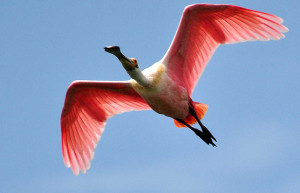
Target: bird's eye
<point>135,62</point>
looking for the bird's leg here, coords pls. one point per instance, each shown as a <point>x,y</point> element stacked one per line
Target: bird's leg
<point>199,133</point>
<point>206,132</point>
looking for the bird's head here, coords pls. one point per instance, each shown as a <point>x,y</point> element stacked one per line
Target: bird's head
<point>128,63</point>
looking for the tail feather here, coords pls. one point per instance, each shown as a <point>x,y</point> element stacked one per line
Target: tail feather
<point>200,109</point>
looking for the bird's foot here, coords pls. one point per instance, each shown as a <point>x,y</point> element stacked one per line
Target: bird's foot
<point>205,135</point>
<point>206,131</point>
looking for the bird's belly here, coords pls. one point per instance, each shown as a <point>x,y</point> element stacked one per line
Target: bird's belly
<point>172,104</point>
<point>166,97</point>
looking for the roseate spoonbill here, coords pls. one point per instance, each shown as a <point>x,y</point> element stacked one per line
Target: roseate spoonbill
<point>167,85</point>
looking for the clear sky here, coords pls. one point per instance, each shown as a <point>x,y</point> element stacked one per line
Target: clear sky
<point>252,90</point>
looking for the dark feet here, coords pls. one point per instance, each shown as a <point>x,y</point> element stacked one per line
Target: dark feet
<point>205,135</point>
<point>206,131</point>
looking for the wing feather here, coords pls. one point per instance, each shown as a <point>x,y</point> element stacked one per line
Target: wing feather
<point>87,107</point>
<point>203,27</point>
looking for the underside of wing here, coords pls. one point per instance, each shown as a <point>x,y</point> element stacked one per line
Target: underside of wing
<point>88,105</point>
<point>203,27</point>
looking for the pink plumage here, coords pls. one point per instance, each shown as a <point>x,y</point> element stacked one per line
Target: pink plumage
<point>87,107</point>
<point>203,27</point>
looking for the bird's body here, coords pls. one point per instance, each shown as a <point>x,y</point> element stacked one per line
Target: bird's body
<point>166,86</point>
<point>163,95</point>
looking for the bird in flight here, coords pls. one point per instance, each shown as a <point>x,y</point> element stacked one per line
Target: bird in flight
<point>164,87</point>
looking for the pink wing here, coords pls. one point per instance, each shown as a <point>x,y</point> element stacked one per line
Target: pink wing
<point>203,27</point>
<point>87,106</point>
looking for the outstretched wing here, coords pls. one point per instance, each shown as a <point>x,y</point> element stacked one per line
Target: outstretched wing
<point>88,105</point>
<point>203,27</point>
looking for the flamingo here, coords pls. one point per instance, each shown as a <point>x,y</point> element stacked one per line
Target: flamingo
<point>164,87</point>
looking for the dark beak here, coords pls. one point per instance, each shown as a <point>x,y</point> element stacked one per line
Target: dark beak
<point>112,49</point>
<point>115,50</point>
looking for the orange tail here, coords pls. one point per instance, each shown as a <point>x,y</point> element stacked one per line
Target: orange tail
<point>200,109</point>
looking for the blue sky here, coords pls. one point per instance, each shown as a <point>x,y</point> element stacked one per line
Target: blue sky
<point>252,90</point>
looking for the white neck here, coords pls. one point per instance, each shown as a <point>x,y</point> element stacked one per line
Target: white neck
<point>138,76</point>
